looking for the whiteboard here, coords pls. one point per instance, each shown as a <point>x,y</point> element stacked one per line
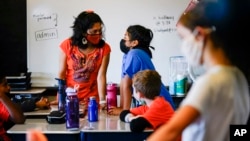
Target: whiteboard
<point>49,23</point>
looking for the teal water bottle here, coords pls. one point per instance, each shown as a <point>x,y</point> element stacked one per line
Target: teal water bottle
<point>181,85</point>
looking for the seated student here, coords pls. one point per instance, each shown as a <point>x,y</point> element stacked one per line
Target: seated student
<point>156,111</point>
<point>10,113</point>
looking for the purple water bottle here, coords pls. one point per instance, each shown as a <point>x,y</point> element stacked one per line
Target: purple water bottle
<point>111,95</point>
<point>72,109</point>
<point>92,110</point>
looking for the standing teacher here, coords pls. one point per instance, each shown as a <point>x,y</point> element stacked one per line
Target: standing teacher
<point>84,58</point>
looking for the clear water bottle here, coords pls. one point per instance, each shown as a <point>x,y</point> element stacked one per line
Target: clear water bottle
<point>72,109</point>
<point>111,95</point>
<point>61,94</point>
<point>177,75</point>
<point>92,110</point>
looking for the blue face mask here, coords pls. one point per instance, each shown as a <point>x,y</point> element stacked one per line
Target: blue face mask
<point>123,47</point>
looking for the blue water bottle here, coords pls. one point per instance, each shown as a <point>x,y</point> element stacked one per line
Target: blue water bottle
<point>72,109</point>
<point>61,94</point>
<point>92,110</point>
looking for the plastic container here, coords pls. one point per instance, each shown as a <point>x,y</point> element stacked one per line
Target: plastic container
<point>181,84</point>
<point>111,95</point>
<point>72,109</point>
<point>92,110</point>
<point>177,72</point>
<point>61,94</point>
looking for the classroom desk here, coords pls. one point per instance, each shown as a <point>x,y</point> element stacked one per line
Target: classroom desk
<point>30,91</point>
<point>110,128</point>
<point>52,131</point>
<point>37,120</point>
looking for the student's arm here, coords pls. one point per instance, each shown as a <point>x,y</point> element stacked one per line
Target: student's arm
<point>127,93</point>
<point>137,123</point>
<point>15,111</point>
<point>172,130</point>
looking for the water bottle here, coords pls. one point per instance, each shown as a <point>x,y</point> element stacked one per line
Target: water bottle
<point>61,94</point>
<point>111,95</point>
<point>72,109</point>
<point>181,85</point>
<point>92,110</point>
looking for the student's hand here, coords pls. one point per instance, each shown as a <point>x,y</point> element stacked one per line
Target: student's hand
<point>35,135</point>
<point>114,110</point>
<point>43,103</point>
<point>55,102</point>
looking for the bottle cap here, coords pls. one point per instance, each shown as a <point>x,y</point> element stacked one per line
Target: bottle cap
<point>112,84</point>
<point>71,91</point>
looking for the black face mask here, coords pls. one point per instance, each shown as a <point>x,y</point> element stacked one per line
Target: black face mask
<point>123,48</point>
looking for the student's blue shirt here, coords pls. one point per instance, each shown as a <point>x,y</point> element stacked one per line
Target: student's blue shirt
<point>136,60</point>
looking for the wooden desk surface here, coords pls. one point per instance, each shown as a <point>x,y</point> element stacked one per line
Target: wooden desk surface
<point>30,91</point>
<point>106,123</point>
<point>44,112</point>
<point>42,125</point>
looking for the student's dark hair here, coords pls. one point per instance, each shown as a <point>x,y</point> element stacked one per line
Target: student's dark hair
<point>144,37</point>
<point>82,23</point>
<point>228,19</point>
<point>2,76</point>
<point>147,82</point>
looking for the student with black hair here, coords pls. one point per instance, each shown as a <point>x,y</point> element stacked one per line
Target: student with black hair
<point>137,56</point>
<point>11,113</point>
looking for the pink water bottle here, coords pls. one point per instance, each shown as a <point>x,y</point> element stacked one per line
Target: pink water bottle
<point>111,94</point>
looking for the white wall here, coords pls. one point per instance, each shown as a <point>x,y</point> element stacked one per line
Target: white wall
<point>49,22</point>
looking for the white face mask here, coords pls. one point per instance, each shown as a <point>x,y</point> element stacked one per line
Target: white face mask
<point>192,50</point>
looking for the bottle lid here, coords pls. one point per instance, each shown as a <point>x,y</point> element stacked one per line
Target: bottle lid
<point>71,91</point>
<point>111,84</point>
<point>180,76</point>
<point>92,97</point>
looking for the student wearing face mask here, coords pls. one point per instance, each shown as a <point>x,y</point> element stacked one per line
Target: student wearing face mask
<point>137,56</point>
<point>84,59</point>
<point>220,97</point>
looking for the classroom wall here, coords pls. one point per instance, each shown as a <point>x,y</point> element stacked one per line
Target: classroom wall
<point>49,22</point>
